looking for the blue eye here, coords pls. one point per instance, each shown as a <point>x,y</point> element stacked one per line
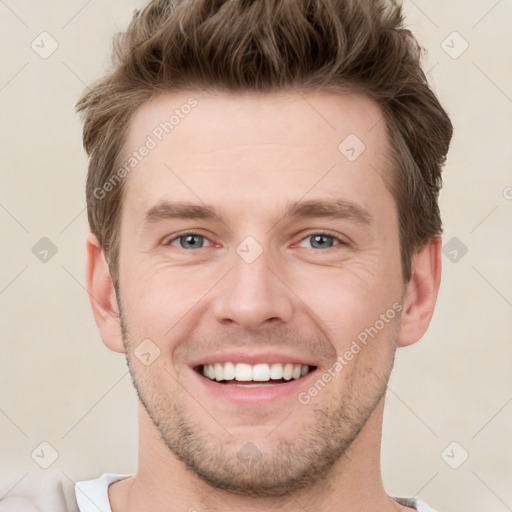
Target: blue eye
<point>195,241</point>
<point>189,241</point>
<point>322,240</point>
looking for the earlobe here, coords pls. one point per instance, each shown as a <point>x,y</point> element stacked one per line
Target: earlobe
<point>102,296</point>
<point>421,293</point>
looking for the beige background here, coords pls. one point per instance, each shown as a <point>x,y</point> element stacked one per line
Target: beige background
<point>59,384</point>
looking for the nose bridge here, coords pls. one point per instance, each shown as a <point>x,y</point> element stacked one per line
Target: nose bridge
<point>252,294</point>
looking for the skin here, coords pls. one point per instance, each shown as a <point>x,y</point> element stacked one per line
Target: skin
<point>248,156</point>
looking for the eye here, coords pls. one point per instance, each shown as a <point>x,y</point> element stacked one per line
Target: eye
<point>196,241</point>
<point>188,241</point>
<point>323,240</point>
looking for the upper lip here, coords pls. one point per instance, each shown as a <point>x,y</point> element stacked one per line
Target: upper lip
<point>250,358</point>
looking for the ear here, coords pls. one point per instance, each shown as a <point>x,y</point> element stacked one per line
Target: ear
<point>421,293</point>
<point>102,296</point>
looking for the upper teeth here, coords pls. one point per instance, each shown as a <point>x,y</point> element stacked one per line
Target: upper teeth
<point>258,372</point>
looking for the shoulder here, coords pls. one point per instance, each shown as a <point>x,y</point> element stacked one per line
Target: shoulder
<point>415,503</point>
<point>54,492</point>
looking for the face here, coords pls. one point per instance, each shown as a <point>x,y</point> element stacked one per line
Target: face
<point>259,281</point>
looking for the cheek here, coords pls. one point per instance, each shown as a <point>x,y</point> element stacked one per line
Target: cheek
<point>356,289</point>
<point>159,300</point>
<point>357,302</point>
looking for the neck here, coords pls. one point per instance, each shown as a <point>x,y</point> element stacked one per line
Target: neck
<point>163,482</point>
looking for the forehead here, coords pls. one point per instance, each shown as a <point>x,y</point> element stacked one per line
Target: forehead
<point>221,119</point>
<point>239,146</point>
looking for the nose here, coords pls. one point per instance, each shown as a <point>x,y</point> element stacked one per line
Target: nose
<point>252,294</point>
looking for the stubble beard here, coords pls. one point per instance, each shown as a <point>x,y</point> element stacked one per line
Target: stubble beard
<point>289,464</point>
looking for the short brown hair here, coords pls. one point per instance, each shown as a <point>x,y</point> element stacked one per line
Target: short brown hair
<point>266,46</point>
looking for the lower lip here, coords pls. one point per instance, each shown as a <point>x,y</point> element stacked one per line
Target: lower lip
<point>254,395</point>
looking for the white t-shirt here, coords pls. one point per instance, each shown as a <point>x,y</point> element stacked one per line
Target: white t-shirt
<point>92,496</point>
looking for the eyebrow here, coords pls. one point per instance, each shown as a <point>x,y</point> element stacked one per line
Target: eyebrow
<point>334,209</point>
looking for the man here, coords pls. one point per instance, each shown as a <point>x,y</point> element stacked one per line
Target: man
<point>262,196</point>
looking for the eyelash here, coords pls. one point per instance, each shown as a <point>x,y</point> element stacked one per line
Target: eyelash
<point>319,233</point>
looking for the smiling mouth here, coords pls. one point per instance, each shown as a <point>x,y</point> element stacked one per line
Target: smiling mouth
<point>257,375</point>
